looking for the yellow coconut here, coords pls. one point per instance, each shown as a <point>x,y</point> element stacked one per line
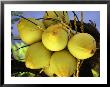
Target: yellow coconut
<point>63,15</point>
<point>28,31</point>
<point>63,64</point>
<point>55,38</point>
<point>37,56</point>
<point>82,46</point>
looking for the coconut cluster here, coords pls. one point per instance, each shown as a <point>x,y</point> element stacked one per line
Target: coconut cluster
<point>51,47</point>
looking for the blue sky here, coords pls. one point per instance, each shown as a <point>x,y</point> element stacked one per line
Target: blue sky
<point>88,15</point>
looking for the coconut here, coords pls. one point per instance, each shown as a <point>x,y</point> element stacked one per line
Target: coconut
<point>82,46</point>
<point>37,56</point>
<point>55,37</point>
<point>63,64</point>
<point>28,31</point>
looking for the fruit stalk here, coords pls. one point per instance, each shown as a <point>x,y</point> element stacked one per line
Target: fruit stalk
<point>68,27</point>
<point>75,24</point>
<point>82,29</point>
<point>78,67</point>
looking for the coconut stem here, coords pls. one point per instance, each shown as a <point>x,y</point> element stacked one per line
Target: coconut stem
<point>82,28</point>
<point>67,27</point>
<point>41,71</point>
<point>75,23</point>
<point>79,63</point>
<point>78,66</point>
